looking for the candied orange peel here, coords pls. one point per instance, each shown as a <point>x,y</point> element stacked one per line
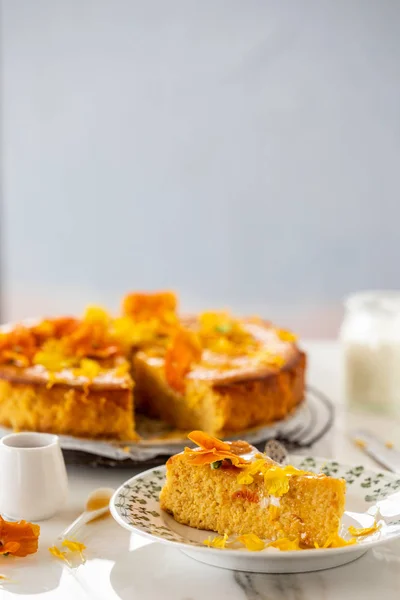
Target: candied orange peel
<point>147,306</point>
<point>18,346</point>
<point>18,539</point>
<point>211,450</point>
<point>183,351</point>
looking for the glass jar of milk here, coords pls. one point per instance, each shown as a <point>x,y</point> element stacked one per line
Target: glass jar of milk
<point>370,336</point>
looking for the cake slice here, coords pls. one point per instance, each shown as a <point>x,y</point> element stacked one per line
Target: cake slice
<point>230,488</point>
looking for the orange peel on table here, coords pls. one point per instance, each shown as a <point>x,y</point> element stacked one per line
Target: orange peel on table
<point>18,539</point>
<point>211,450</point>
<point>183,351</point>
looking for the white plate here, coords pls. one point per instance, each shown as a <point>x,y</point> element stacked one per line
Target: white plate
<point>370,494</point>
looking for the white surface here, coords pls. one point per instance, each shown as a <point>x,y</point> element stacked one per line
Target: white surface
<point>152,571</point>
<point>240,152</point>
<point>33,478</point>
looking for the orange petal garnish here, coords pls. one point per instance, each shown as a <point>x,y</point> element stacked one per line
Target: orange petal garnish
<point>19,539</point>
<point>207,441</point>
<point>183,351</point>
<point>206,457</point>
<point>211,450</point>
<point>143,307</point>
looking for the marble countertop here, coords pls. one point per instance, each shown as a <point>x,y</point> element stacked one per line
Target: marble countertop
<point>121,566</point>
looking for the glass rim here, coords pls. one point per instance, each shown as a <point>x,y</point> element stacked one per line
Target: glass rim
<point>387,300</point>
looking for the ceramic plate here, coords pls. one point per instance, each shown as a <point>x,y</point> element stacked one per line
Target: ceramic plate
<point>370,494</point>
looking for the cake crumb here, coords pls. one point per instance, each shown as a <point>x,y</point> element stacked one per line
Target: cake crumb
<point>389,445</point>
<point>359,443</point>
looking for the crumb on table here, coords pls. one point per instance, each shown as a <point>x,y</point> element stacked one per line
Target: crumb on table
<point>359,443</point>
<point>389,445</point>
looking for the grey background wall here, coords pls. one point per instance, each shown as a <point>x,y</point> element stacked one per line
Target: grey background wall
<point>244,153</point>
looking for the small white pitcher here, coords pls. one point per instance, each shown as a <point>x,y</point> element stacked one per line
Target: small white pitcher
<point>33,477</point>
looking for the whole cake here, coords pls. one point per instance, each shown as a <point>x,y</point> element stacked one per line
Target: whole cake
<point>231,488</point>
<point>88,376</point>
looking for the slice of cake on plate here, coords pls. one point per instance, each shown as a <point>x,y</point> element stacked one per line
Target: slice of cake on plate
<point>230,488</point>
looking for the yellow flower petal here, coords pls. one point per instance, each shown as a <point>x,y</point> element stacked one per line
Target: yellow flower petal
<point>284,544</point>
<point>88,368</point>
<point>276,484</point>
<point>96,314</point>
<point>286,336</point>
<point>74,547</point>
<point>273,512</point>
<point>216,542</point>
<point>58,554</point>
<point>252,542</point>
<point>360,532</point>
<point>276,478</point>
<point>335,541</point>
